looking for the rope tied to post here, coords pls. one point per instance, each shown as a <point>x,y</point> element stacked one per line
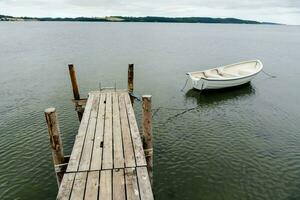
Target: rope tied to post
<point>136,96</point>
<point>148,152</point>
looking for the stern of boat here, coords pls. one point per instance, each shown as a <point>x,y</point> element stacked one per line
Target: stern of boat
<point>197,83</point>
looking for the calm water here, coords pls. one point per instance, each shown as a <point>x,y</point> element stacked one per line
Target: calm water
<point>235,144</point>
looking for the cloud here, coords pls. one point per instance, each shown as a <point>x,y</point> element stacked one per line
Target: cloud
<point>284,11</point>
<point>216,4</point>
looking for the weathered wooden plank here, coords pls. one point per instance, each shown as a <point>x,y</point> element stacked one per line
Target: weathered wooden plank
<point>144,183</point>
<point>92,185</point>
<point>118,184</point>
<point>79,141</point>
<point>105,192</point>
<point>66,187</point>
<point>107,143</point>
<point>79,186</point>
<point>117,135</point>
<point>132,189</point>
<point>127,142</point>
<point>136,138</point>
<point>89,138</point>
<point>98,141</point>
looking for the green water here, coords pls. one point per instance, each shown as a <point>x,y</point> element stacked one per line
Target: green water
<point>236,144</point>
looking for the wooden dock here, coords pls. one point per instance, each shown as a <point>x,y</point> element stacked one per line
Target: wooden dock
<point>108,160</point>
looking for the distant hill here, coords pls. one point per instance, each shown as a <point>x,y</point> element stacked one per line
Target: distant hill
<point>138,19</point>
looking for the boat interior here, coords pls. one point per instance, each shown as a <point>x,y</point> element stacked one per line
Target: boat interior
<point>229,71</point>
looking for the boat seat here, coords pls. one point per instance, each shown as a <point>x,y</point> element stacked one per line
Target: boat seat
<point>211,74</point>
<point>227,74</point>
<point>199,75</point>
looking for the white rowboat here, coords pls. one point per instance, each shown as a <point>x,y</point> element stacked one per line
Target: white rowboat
<point>225,76</point>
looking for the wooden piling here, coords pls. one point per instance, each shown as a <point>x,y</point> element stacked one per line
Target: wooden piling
<point>147,134</point>
<point>76,93</point>
<point>55,141</point>
<point>130,81</point>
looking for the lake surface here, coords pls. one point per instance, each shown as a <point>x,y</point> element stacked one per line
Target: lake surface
<point>236,144</point>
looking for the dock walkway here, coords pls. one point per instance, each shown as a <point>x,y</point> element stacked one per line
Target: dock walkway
<point>107,160</point>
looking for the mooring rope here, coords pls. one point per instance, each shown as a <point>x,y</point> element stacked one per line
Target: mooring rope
<point>184,110</point>
<point>148,152</point>
<point>268,74</point>
<point>136,96</point>
<point>187,79</point>
<point>179,114</point>
<point>156,110</point>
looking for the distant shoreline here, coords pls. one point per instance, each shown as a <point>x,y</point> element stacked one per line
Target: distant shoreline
<point>208,20</point>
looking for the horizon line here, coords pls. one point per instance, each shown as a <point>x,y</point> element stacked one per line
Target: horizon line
<point>145,16</point>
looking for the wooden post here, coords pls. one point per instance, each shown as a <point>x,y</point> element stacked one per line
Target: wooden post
<point>55,141</point>
<point>130,81</point>
<point>147,133</point>
<point>75,88</point>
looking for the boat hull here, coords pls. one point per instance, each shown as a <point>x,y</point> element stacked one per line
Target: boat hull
<point>204,84</point>
<point>225,76</point>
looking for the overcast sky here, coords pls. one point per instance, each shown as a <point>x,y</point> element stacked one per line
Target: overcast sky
<point>282,11</point>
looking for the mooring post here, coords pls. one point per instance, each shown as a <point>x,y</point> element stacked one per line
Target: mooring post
<point>147,133</point>
<point>130,81</point>
<point>75,88</point>
<point>55,142</point>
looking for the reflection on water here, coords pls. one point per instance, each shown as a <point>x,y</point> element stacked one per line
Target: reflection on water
<point>207,97</point>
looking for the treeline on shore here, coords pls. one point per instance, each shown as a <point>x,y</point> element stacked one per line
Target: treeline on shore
<point>137,19</point>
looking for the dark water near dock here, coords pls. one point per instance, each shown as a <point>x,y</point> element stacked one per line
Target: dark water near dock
<point>232,144</point>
